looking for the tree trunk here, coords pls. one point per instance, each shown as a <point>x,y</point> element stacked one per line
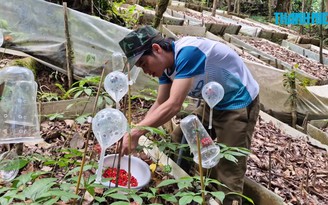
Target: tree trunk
<point>215,2</point>
<point>229,6</point>
<point>238,7</point>
<point>160,9</point>
<point>282,5</point>
<point>270,10</point>
<point>235,6</point>
<point>290,10</point>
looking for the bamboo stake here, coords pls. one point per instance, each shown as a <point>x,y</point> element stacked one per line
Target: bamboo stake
<point>270,173</point>
<point>200,163</point>
<point>129,122</point>
<point>69,51</point>
<point>88,136</point>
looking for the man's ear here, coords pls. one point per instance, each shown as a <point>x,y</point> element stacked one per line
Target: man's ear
<point>157,48</point>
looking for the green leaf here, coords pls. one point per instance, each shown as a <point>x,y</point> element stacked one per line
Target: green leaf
<point>146,195</point>
<point>19,196</point>
<point>51,201</point>
<point>38,187</point>
<point>198,199</point>
<point>239,194</point>
<point>219,195</point>
<point>4,189</point>
<point>153,130</point>
<point>169,197</point>
<point>64,195</point>
<point>185,200</point>
<point>100,199</point>
<point>66,186</point>
<point>8,197</point>
<point>119,196</point>
<point>234,153</point>
<point>136,198</point>
<point>167,182</point>
<point>185,182</point>
<point>88,91</point>
<point>100,101</point>
<point>120,203</point>
<point>231,158</point>
<point>78,94</point>
<point>108,100</point>
<point>22,179</point>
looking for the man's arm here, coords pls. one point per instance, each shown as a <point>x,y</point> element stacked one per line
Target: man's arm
<point>161,112</point>
<point>170,107</point>
<point>163,94</point>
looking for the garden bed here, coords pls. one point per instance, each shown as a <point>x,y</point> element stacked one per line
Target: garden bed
<point>283,57</point>
<point>287,163</point>
<point>308,53</point>
<point>318,129</point>
<point>253,29</point>
<point>212,24</point>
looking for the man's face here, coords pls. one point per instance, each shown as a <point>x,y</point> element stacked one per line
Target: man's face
<point>152,64</point>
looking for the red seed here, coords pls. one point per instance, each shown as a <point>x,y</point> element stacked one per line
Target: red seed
<point>122,179</point>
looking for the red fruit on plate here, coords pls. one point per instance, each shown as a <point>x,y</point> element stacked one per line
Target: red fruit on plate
<point>122,178</point>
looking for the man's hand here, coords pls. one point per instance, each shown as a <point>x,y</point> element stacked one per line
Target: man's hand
<point>135,135</point>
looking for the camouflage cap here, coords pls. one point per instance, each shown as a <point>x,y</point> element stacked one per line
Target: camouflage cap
<point>137,42</point>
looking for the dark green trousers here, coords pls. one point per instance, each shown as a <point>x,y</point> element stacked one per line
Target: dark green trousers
<point>233,128</point>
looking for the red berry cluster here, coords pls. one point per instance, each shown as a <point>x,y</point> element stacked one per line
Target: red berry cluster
<point>122,178</point>
<point>206,141</point>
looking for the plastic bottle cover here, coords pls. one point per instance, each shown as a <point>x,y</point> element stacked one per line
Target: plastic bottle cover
<point>193,128</point>
<point>1,38</point>
<point>19,120</point>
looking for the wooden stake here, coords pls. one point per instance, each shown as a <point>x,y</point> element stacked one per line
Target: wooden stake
<point>200,163</point>
<point>270,174</point>
<point>129,122</point>
<point>88,136</point>
<point>69,51</point>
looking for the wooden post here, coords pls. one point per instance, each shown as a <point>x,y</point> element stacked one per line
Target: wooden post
<point>161,8</point>
<point>229,5</point>
<point>215,2</point>
<point>69,51</point>
<point>270,10</point>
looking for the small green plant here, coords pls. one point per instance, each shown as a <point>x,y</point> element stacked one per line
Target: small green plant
<point>55,116</point>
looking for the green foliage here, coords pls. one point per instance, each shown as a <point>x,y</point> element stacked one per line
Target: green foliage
<point>147,94</point>
<point>230,153</point>
<point>48,96</point>
<point>130,14</point>
<point>55,116</point>
<point>86,87</point>
<point>42,188</point>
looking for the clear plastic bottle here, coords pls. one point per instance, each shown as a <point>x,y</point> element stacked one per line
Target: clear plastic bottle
<point>1,38</point>
<point>19,120</point>
<point>210,153</point>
